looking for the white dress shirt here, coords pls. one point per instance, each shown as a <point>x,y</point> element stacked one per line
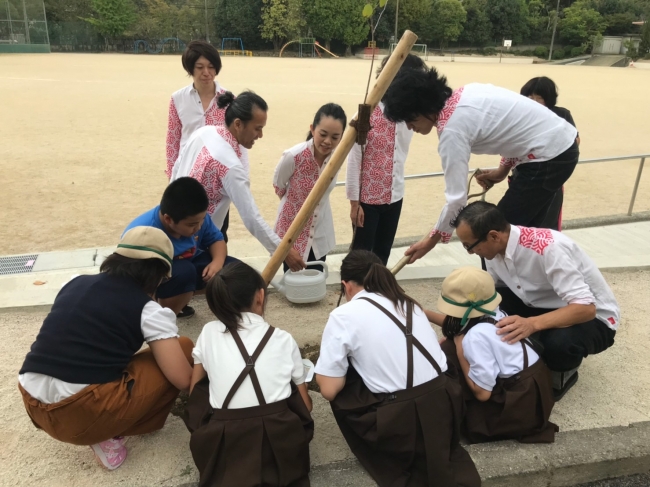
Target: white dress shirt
<point>546,269</point>
<point>486,119</point>
<point>213,156</point>
<point>382,178</point>
<point>156,323</point>
<point>294,178</point>
<point>278,364</point>
<point>375,346</point>
<point>490,357</point>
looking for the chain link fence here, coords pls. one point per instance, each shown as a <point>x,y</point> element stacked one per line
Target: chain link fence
<point>23,27</point>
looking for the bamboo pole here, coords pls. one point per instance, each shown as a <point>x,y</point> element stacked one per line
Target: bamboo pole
<point>338,157</point>
<point>405,260</point>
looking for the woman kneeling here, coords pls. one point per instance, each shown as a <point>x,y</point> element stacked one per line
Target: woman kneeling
<point>248,410</point>
<point>83,382</point>
<point>381,367</point>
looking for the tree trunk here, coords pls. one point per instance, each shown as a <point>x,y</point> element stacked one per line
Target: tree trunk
<point>348,51</point>
<point>276,45</point>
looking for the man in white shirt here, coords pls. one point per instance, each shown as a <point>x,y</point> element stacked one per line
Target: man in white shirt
<point>550,288</point>
<point>486,119</point>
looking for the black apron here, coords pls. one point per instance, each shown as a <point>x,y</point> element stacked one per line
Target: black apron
<point>408,437</point>
<point>260,445</point>
<point>519,407</point>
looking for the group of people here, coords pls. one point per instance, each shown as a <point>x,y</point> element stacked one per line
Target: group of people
<point>514,333</point>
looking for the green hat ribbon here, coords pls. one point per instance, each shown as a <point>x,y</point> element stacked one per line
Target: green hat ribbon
<point>147,249</point>
<point>472,305</point>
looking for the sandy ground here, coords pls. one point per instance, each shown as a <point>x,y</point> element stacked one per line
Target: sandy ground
<point>614,389</point>
<point>82,150</point>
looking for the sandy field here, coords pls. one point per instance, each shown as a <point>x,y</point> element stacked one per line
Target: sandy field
<point>82,150</point>
<point>607,394</point>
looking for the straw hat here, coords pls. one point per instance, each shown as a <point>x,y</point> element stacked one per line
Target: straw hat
<point>147,243</point>
<point>468,292</point>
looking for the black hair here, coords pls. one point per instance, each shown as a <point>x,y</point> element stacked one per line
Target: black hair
<point>415,92</point>
<point>231,291</point>
<point>329,110</point>
<point>242,106</point>
<point>183,198</point>
<point>451,326</point>
<point>147,273</point>
<point>482,217</point>
<point>543,87</point>
<point>411,61</point>
<point>367,270</point>
<point>195,50</point>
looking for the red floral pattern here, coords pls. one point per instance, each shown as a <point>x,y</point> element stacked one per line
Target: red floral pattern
<point>378,158</point>
<point>536,239</point>
<point>174,133</point>
<point>446,237</point>
<point>210,173</point>
<point>509,161</point>
<point>448,110</point>
<point>230,138</point>
<point>302,181</point>
<point>215,115</point>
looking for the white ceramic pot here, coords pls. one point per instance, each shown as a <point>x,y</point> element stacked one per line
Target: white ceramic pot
<point>305,286</point>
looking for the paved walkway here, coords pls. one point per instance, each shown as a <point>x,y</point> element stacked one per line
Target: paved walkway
<point>611,247</point>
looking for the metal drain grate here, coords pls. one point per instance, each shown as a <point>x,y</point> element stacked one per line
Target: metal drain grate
<point>18,264</point>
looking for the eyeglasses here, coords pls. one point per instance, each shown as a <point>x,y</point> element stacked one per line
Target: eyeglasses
<point>469,248</point>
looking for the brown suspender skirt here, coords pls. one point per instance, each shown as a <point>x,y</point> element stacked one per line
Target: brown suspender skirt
<point>518,409</point>
<point>408,437</point>
<point>262,445</point>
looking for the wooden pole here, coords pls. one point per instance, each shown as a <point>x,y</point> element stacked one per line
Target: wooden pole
<point>338,157</point>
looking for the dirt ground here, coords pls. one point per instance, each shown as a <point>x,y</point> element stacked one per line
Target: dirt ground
<point>607,394</point>
<point>82,150</point>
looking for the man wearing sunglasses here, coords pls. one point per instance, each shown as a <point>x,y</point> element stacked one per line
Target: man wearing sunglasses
<point>551,290</point>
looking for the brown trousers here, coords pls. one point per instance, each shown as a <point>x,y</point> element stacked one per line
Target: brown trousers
<point>137,403</point>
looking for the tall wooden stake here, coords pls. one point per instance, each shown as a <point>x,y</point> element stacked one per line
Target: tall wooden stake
<point>338,157</point>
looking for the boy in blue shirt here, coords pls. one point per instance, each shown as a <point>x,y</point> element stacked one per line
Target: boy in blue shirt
<point>199,248</point>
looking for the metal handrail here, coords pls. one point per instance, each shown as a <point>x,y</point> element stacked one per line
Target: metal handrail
<point>641,158</point>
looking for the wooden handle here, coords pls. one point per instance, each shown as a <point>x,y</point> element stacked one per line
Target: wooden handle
<point>405,260</point>
<point>338,157</point>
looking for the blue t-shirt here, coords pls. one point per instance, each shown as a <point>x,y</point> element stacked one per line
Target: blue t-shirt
<point>184,247</point>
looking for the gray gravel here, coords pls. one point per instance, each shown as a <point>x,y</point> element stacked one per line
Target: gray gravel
<point>630,481</point>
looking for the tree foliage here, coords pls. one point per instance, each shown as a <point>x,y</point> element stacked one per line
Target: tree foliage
<point>445,22</point>
<point>508,19</point>
<point>355,30</point>
<point>478,28</point>
<point>281,21</point>
<point>581,24</point>
<point>112,18</point>
<point>237,18</point>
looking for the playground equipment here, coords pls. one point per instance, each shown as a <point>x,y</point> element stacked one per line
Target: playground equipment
<point>227,45</point>
<point>370,51</point>
<point>157,48</point>
<point>308,42</point>
<point>418,49</point>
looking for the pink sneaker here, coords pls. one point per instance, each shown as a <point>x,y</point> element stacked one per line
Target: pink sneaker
<point>110,453</point>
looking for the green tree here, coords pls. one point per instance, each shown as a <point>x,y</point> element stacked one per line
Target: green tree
<point>324,19</point>
<point>281,20</point>
<point>112,18</point>
<point>478,28</point>
<point>354,28</point>
<point>644,45</point>
<point>619,23</point>
<point>509,19</point>
<point>240,18</point>
<point>445,22</point>
<point>580,25</point>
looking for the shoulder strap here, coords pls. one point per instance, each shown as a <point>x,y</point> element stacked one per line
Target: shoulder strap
<point>250,367</point>
<point>410,339</point>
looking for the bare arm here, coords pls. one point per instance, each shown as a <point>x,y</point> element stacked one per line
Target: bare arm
<point>218,251</point>
<point>480,393</point>
<point>198,374</point>
<point>434,317</point>
<point>515,328</point>
<point>330,386</point>
<point>172,362</point>
<point>302,389</point>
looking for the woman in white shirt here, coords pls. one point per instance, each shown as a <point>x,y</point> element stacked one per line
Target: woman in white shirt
<point>382,368</point>
<point>194,106</point>
<point>485,119</point>
<point>215,157</point>
<point>375,177</point>
<point>248,410</point>
<point>507,387</point>
<point>295,175</point>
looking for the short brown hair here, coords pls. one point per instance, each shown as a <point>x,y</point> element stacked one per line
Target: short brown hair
<point>195,50</point>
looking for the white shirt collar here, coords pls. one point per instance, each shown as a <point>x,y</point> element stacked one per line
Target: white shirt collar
<point>513,240</point>
<point>216,88</point>
<point>251,319</point>
<point>360,294</point>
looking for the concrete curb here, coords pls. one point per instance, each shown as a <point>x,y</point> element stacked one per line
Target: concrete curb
<point>575,457</point>
<point>597,221</point>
